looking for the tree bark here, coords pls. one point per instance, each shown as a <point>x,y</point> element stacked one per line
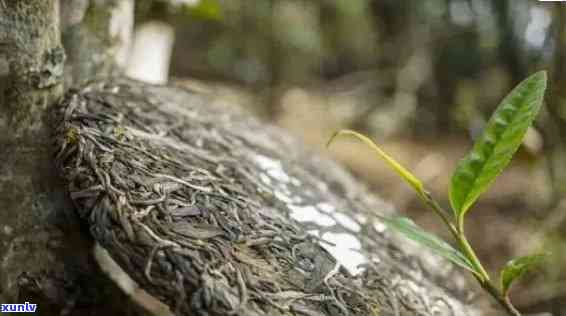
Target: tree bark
<point>45,258</point>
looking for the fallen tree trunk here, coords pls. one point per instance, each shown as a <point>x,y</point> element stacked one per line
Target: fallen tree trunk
<point>215,213</point>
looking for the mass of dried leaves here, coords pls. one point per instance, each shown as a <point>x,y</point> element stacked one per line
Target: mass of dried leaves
<point>169,183</point>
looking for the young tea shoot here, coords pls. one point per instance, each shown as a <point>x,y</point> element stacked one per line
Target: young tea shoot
<point>474,174</point>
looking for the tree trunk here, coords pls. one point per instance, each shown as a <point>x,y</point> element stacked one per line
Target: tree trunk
<point>509,50</point>
<point>45,258</point>
<point>96,36</point>
<point>556,127</point>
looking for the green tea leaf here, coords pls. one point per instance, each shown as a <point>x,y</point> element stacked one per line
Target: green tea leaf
<point>410,230</point>
<point>401,171</point>
<point>493,150</point>
<point>515,268</point>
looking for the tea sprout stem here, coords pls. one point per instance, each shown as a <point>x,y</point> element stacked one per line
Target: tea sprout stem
<point>480,273</point>
<point>438,210</point>
<point>471,255</point>
<point>458,234</point>
<point>502,299</point>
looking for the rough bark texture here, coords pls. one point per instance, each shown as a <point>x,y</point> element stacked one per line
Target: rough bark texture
<point>44,258</point>
<point>205,208</point>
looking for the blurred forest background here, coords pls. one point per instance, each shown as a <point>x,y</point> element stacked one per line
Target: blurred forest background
<point>419,77</point>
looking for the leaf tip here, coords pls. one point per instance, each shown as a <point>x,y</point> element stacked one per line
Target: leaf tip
<point>542,74</point>
<point>541,77</point>
<point>331,139</point>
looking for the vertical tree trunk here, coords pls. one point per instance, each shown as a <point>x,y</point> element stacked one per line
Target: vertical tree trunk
<point>508,43</point>
<point>96,36</point>
<point>44,258</point>
<point>556,128</point>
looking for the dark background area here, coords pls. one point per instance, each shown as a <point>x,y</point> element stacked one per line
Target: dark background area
<point>419,77</point>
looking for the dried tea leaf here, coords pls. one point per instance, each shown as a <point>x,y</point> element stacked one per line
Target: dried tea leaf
<point>197,231</point>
